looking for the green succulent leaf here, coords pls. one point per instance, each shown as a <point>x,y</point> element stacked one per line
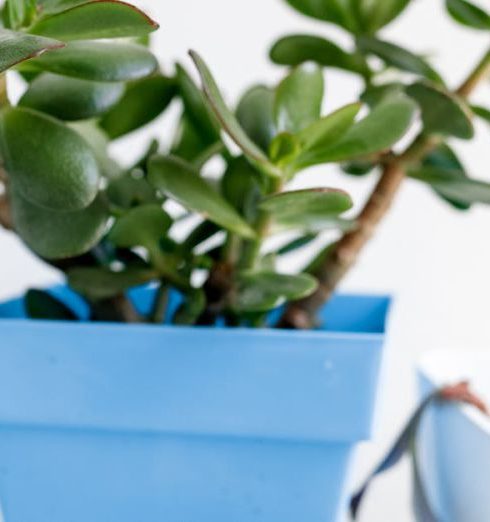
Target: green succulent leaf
<point>442,112</point>
<point>482,112</point>
<point>130,191</point>
<point>384,126</point>
<point>376,14</point>
<point>284,149</point>
<point>296,244</point>
<point>376,94</point>
<point>180,181</point>
<point>103,283</point>
<point>300,48</point>
<point>454,184</point>
<point>141,226</point>
<point>443,157</point>
<point>49,163</point>
<point>71,99</point>
<point>299,97</point>
<point>263,291</point>
<point>19,13</point>
<point>143,101</point>
<point>19,47</point>
<point>94,20</point>
<point>42,305</point>
<point>98,141</point>
<point>225,116</point>
<point>468,14</point>
<point>255,113</point>
<point>329,129</point>
<point>398,57</point>
<point>311,209</point>
<point>240,187</point>
<point>199,114</point>
<point>189,144</point>
<point>338,12</point>
<point>99,61</point>
<point>191,308</point>
<point>59,235</point>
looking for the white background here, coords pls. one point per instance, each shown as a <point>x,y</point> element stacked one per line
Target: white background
<point>434,260</point>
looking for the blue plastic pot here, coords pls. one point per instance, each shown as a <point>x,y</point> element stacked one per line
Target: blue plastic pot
<point>118,423</point>
<point>453,446</point>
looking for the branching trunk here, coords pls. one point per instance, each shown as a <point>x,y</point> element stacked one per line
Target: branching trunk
<point>345,253</point>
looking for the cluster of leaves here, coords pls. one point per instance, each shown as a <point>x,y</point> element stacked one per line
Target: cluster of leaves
<point>388,71</point>
<point>112,228</point>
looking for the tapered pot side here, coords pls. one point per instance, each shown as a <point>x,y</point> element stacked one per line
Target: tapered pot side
<point>107,422</point>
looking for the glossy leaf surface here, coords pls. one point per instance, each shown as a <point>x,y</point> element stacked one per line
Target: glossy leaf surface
<point>180,181</point>
<point>442,112</point>
<point>18,47</point>
<point>99,61</point>
<point>94,20</point>
<point>299,97</point>
<point>49,163</point>
<point>58,235</point>
<point>71,98</point>
<point>299,48</point>
<point>143,101</point>
<point>102,283</point>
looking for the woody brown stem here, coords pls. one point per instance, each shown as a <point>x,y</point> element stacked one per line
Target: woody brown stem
<point>344,254</point>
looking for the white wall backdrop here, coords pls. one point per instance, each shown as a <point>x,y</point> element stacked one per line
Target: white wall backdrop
<point>434,260</point>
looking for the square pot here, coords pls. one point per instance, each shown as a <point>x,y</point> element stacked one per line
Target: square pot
<point>141,423</point>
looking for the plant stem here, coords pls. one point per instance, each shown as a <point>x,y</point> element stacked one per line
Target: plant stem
<point>344,254</point>
<point>479,74</point>
<point>160,303</point>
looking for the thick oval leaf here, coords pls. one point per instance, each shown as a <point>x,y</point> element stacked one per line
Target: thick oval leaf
<point>94,20</point>
<point>102,283</point>
<point>178,180</point>
<point>322,133</point>
<point>71,98</point>
<point>42,305</point>
<point>398,57</point>
<point>18,47</point>
<point>468,14</point>
<point>240,187</point>
<point>189,144</point>
<point>255,113</point>
<point>49,163</point>
<point>197,111</point>
<point>299,97</point>
<point>141,226</point>
<point>263,291</point>
<point>442,112</point>
<point>130,191</point>
<point>443,157</point>
<point>143,101</point>
<point>225,116</point>
<point>310,210</point>
<point>339,12</point>
<point>98,141</point>
<point>376,94</point>
<point>454,185</point>
<point>99,61</point>
<point>300,48</point>
<point>284,149</point>
<point>385,125</point>
<point>378,13</point>
<point>58,235</point>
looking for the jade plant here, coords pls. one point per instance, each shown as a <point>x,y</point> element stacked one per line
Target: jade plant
<point>208,218</point>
